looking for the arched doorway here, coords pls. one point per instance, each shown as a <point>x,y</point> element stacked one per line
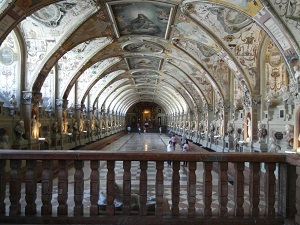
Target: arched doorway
<point>146,118</point>
<point>146,113</point>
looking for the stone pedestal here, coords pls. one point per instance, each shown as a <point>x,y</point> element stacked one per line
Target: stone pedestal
<point>247,147</point>
<point>221,144</point>
<point>20,144</point>
<point>229,146</point>
<point>56,141</point>
<point>260,147</point>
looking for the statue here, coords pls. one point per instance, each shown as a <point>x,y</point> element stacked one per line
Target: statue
<point>20,130</point>
<point>230,129</point>
<point>47,141</point>
<point>289,135</point>
<point>64,121</point>
<point>35,126</point>
<point>12,101</point>
<point>93,123</point>
<point>262,132</point>
<point>4,142</point>
<point>211,128</point>
<point>55,128</point>
<point>249,129</point>
<point>81,122</point>
<point>75,127</point>
<point>273,148</point>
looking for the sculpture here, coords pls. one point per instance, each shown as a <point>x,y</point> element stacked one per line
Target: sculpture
<point>249,129</point>
<point>35,126</point>
<point>289,135</point>
<point>4,142</point>
<point>64,121</point>
<point>262,132</point>
<point>20,130</point>
<point>230,129</point>
<point>273,148</point>
<point>55,128</point>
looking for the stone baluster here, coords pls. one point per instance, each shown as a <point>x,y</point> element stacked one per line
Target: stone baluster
<point>2,186</point>
<point>239,189</point>
<point>143,188</point>
<point>175,189</point>
<point>192,189</point>
<point>297,217</point>
<point>78,187</point>
<point>47,187</point>
<point>207,189</point>
<point>15,188</point>
<point>270,188</point>
<point>94,187</point>
<point>110,186</point>
<point>127,187</point>
<point>62,197</point>
<point>254,188</point>
<point>31,187</point>
<point>223,188</point>
<point>159,188</point>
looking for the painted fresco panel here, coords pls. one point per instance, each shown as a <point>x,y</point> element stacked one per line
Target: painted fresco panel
<point>141,18</point>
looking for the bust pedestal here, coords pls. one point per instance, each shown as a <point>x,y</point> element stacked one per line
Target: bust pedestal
<point>229,146</point>
<point>260,147</point>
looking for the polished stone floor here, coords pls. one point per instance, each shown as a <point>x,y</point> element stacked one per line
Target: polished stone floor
<point>142,142</point>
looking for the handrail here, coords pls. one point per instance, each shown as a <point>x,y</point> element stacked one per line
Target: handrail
<point>275,210</point>
<point>140,156</point>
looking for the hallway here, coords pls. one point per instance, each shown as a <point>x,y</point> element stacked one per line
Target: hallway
<point>140,142</point>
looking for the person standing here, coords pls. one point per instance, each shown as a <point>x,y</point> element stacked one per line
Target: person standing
<point>183,138</point>
<point>128,129</point>
<point>173,139</point>
<point>169,149</point>
<point>185,148</point>
<point>160,130</point>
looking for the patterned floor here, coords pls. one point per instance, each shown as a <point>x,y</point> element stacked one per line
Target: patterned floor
<point>143,142</point>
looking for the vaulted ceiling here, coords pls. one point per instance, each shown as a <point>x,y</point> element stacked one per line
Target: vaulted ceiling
<point>179,54</point>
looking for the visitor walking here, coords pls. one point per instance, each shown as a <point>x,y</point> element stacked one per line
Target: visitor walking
<point>185,148</point>
<point>173,139</point>
<point>169,149</point>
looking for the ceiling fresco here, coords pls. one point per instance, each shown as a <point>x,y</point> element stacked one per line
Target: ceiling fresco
<point>141,18</point>
<point>179,54</point>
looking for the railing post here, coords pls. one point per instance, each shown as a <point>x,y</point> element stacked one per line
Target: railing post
<point>111,187</point>
<point>297,217</point>
<point>270,188</point>
<point>78,187</point>
<point>31,187</point>
<point>192,189</point>
<point>2,186</point>
<point>143,188</point>
<point>15,187</point>
<point>126,187</point>
<point>223,188</point>
<point>159,188</point>
<point>207,189</point>
<point>254,188</point>
<point>175,189</point>
<point>94,187</point>
<point>47,187</point>
<point>239,189</point>
<point>286,202</point>
<point>62,196</point>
